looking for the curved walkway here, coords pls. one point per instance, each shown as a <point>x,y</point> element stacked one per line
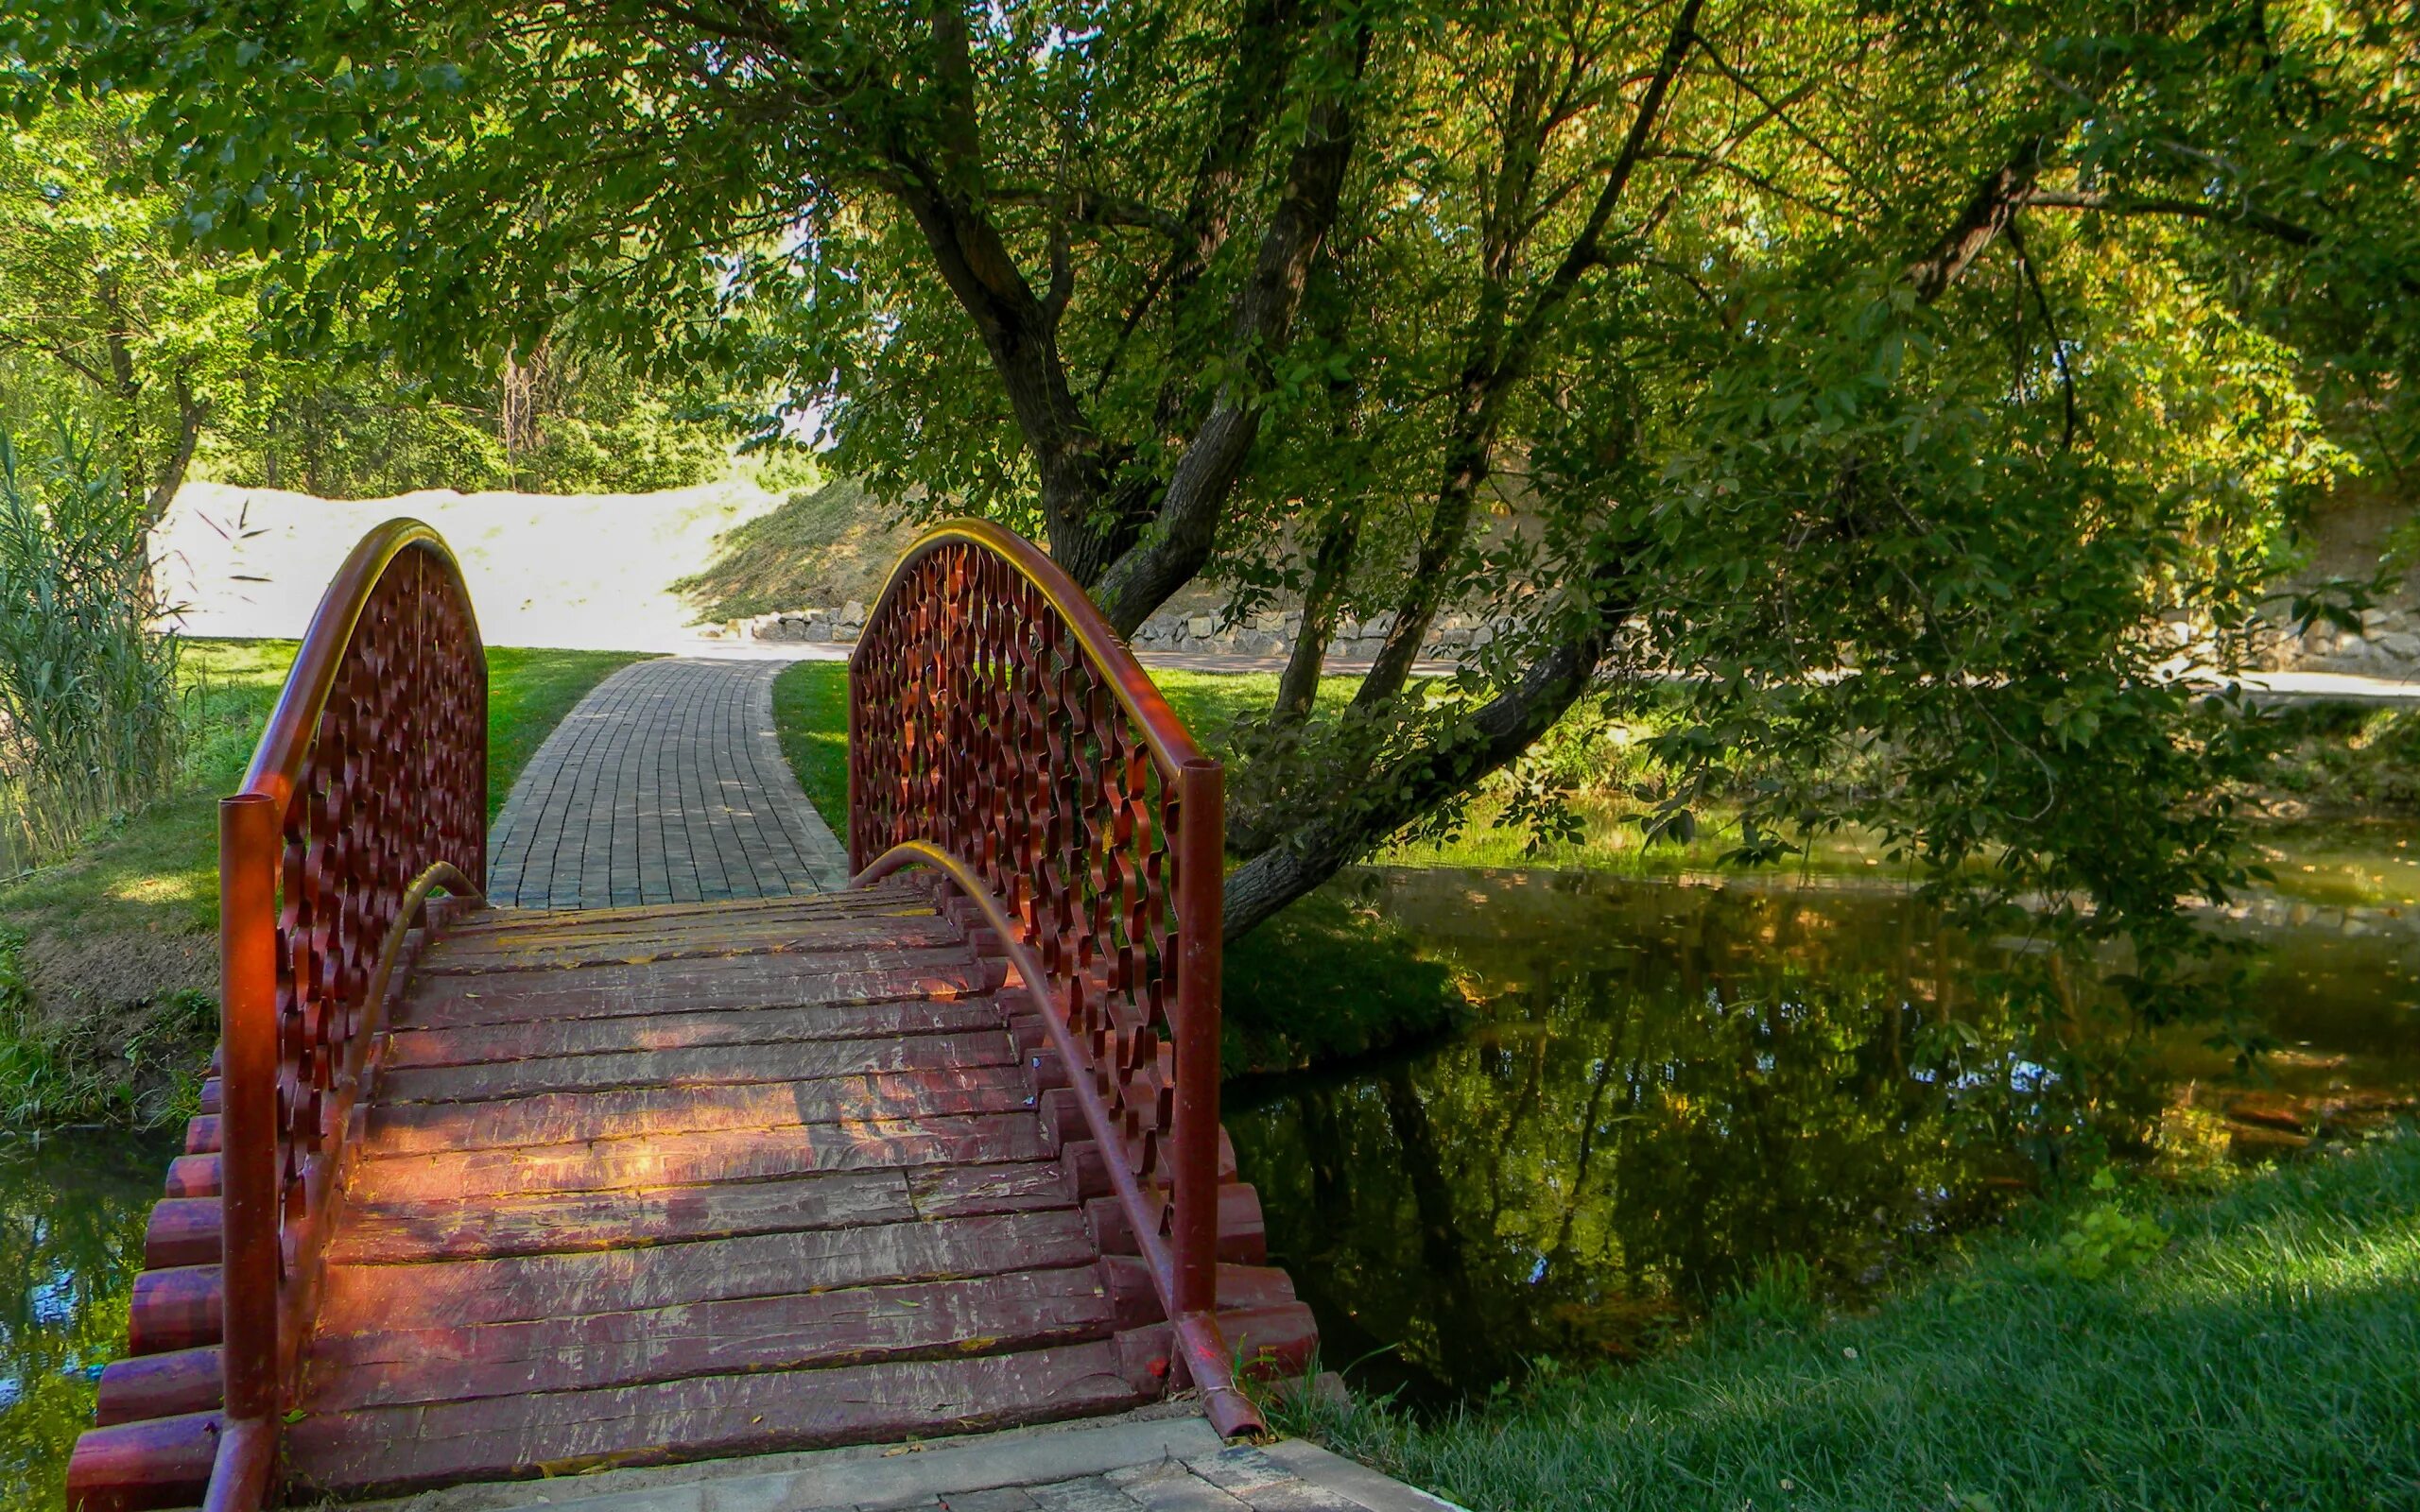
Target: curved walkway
<point>664,785</point>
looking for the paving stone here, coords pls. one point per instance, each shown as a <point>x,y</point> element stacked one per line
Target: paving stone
<point>1006,1499</point>
<point>1251,1478</point>
<point>665,784</point>
<point>1093,1493</point>
<point>1171,1486</point>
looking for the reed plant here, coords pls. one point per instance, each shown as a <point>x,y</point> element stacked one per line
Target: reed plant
<point>88,702</point>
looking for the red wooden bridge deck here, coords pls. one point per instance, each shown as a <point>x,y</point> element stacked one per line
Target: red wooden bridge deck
<point>489,1194</point>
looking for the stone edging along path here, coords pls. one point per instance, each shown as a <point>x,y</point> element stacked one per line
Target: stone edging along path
<point>665,784</point>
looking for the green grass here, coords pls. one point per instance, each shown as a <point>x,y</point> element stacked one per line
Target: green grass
<point>528,694</point>
<point>2247,1349</point>
<point>117,942</point>
<point>811,715</point>
<point>811,712</point>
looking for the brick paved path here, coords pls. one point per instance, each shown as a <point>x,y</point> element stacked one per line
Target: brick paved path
<point>664,785</point>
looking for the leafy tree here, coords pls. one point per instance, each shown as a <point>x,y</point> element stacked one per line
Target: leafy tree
<point>1900,370</point>
<point>101,315</point>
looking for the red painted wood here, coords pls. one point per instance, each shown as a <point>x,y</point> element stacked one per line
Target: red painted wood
<point>705,1066</point>
<point>806,937</point>
<point>159,1385</point>
<point>513,1122</point>
<point>697,986</point>
<point>400,1449</point>
<point>180,1308</point>
<point>201,1135</point>
<point>1243,1238</point>
<point>193,1176</point>
<point>127,1467</point>
<point>1021,1310</point>
<point>475,1227</point>
<point>546,1037</point>
<point>462,1294</point>
<point>1241,1288</point>
<point>674,1160</point>
<point>182,1232</point>
<point>644,920</point>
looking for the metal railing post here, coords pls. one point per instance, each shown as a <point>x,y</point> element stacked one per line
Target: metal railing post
<point>1200,914</point>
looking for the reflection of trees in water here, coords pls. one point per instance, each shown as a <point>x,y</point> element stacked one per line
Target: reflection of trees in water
<point>72,1213</point>
<point>1623,1140</point>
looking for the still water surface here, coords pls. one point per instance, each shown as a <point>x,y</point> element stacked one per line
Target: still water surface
<point>1673,1087</point>
<point>1670,1088</point>
<point>71,1210</point>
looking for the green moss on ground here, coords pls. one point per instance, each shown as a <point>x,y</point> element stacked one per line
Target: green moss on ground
<point>114,949</point>
<point>2247,1347</point>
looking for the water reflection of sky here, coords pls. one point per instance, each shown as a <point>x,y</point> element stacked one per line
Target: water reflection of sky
<point>73,1208</point>
<point>1674,1087</point>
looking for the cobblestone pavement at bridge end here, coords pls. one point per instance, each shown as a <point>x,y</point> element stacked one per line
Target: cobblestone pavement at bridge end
<point>664,785</point>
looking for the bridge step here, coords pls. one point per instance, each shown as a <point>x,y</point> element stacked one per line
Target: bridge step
<point>640,1185</point>
<point>731,1180</point>
<point>395,1449</point>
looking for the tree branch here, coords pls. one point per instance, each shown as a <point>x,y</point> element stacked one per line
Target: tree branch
<point>1186,525</point>
<point>1497,360</point>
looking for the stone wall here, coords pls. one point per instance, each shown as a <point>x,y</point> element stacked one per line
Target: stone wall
<point>2387,646</point>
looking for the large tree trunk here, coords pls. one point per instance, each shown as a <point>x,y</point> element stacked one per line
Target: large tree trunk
<point>1376,806</point>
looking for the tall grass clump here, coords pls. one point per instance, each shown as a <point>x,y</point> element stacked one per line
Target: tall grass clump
<point>88,686</point>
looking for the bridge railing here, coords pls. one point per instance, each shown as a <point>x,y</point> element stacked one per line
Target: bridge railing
<point>368,793</point>
<point>1000,732</point>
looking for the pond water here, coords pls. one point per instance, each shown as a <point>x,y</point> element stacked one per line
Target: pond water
<point>1674,1087</point>
<point>72,1207</point>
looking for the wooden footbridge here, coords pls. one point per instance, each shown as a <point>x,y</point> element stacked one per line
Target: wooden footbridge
<point>480,1194</point>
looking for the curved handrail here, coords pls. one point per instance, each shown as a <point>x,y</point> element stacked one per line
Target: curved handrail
<point>366,795</point>
<point>294,723</point>
<point>1002,734</point>
<point>1172,744</point>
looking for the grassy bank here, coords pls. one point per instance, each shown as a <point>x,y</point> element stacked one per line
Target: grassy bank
<point>2245,1345</point>
<point>107,960</point>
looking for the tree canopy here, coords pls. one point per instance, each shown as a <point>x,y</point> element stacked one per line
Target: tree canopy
<point>1898,373</point>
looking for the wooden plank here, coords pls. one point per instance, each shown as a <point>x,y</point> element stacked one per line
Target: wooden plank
<point>162,1462</point>
<point>807,937</point>
<point>470,1227</point>
<point>696,987</point>
<point>516,1119</point>
<point>394,1449</point>
<point>667,924</point>
<point>520,1040</point>
<point>462,1294</point>
<point>698,1066</point>
<point>989,1315</point>
<point>507,920</point>
<point>674,1160</point>
<point>947,1191</point>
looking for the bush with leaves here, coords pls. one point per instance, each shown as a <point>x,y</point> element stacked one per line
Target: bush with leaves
<point>88,686</point>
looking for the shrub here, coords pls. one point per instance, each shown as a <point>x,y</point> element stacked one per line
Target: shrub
<point>88,686</point>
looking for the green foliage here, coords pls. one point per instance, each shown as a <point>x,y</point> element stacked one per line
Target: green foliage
<point>115,952</point>
<point>1898,375</point>
<point>73,1209</point>
<point>88,690</point>
<point>2258,1363</point>
<point>2103,1239</point>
